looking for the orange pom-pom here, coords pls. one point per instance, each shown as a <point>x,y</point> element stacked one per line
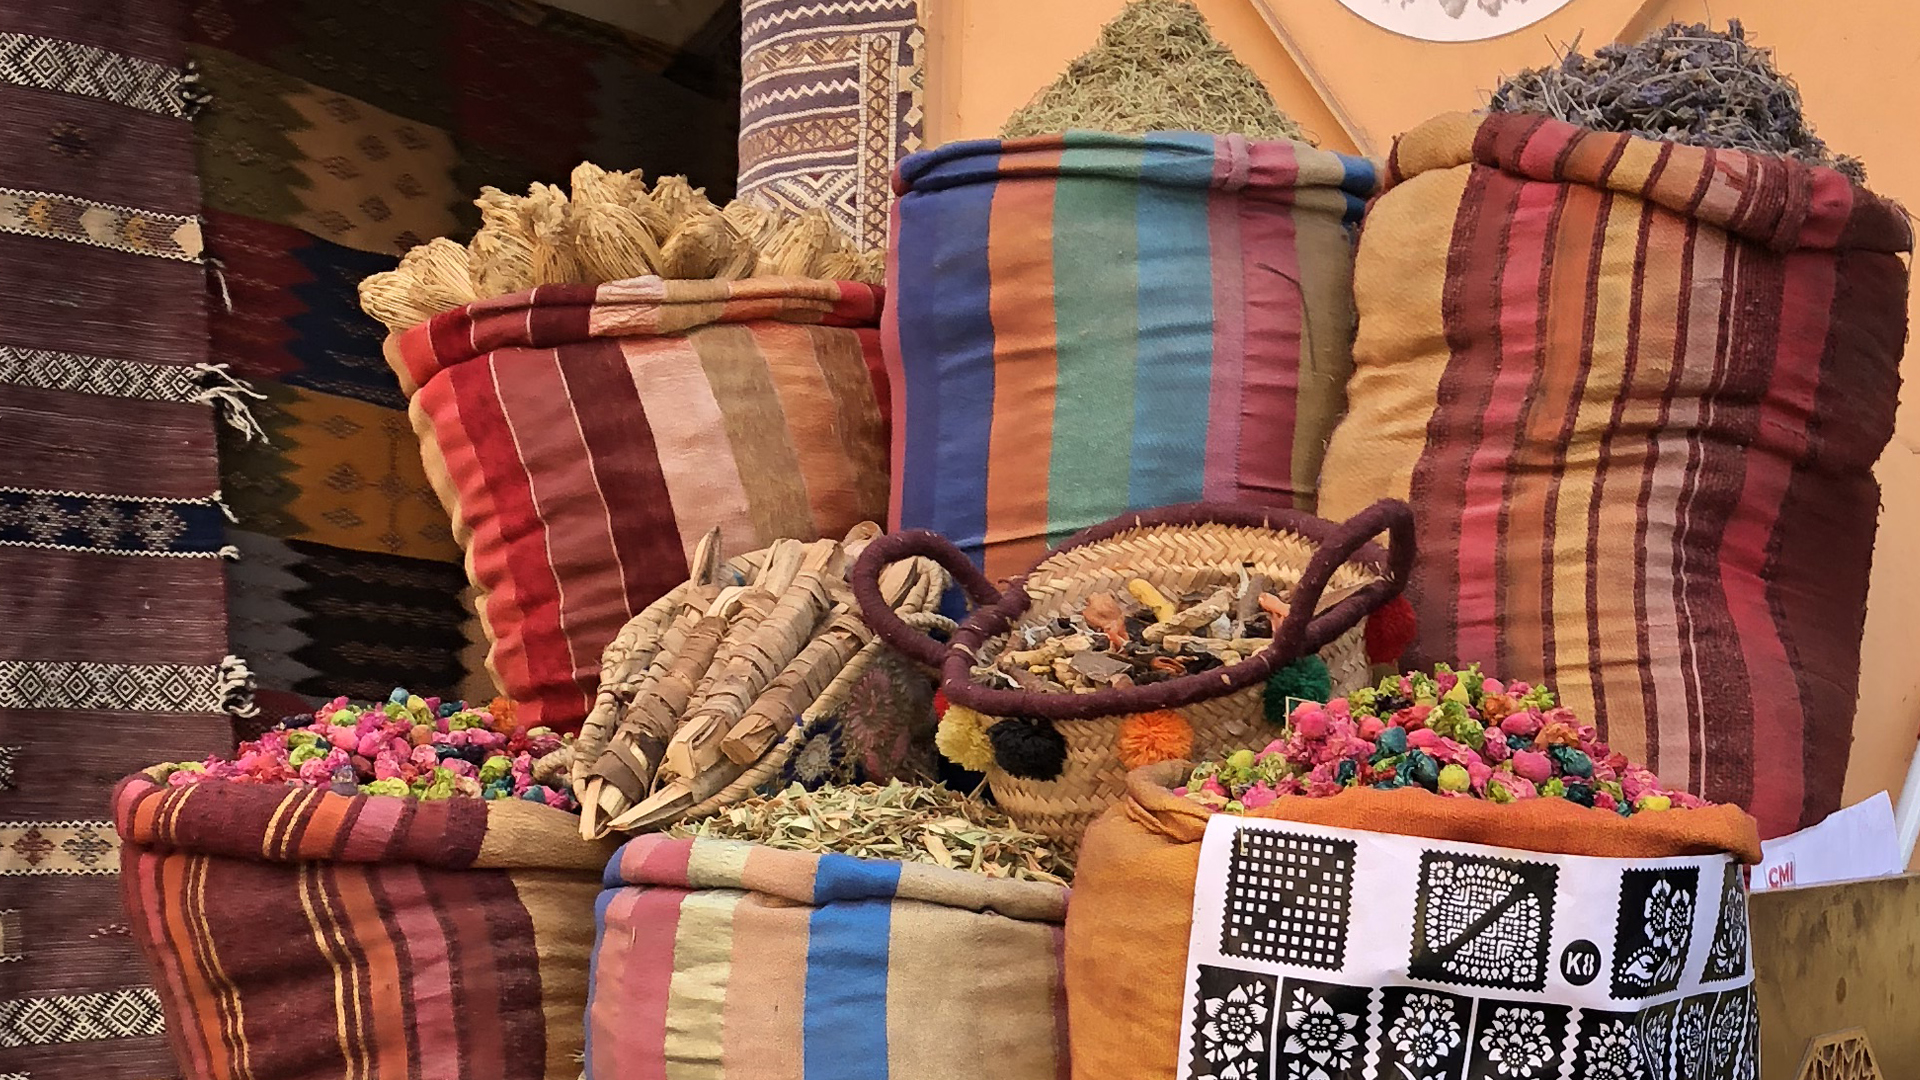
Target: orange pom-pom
<point>1154,737</point>
<point>1390,630</point>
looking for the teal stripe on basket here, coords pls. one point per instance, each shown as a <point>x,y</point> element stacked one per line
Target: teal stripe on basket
<point>1096,267</point>
<point>1173,382</point>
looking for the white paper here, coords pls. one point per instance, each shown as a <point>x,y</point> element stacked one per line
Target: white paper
<point>1330,954</point>
<point>1859,841</point>
<point>1453,20</point>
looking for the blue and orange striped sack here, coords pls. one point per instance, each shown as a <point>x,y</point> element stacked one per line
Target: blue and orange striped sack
<point>734,961</point>
<point>1086,324</point>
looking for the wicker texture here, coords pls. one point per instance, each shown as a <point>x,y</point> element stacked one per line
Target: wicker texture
<point>1332,576</point>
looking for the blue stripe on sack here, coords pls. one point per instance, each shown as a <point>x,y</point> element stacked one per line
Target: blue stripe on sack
<point>593,967</point>
<point>1173,380</point>
<point>844,1029</point>
<point>944,312</point>
<point>1358,182</point>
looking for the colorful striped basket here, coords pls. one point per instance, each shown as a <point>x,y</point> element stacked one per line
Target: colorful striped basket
<point>1084,324</point>
<point>1178,550</point>
<point>298,934</point>
<point>733,961</point>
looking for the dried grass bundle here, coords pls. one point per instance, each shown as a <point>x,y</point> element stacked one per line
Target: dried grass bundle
<point>1157,67</point>
<point>610,228</point>
<point>1684,84</point>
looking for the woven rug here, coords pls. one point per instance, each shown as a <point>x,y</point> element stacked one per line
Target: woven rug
<point>339,136</point>
<point>832,96</point>
<point>113,623</point>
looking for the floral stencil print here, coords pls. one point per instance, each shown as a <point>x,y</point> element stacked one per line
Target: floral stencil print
<point>1690,1036</point>
<point>1315,1030</point>
<point>1515,1042</point>
<point>1426,1036</point>
<point>1235,1023</point>
<point>1231,1024</point>
<point>1612,1053</point>
<point>1655,930</point>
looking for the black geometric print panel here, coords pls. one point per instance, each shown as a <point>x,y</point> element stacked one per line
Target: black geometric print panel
<point>1288,898</point>
<point>1483,921</point>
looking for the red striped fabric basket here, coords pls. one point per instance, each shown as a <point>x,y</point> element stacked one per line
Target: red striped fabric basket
<point>1634,392</point>
<point>584,438</point>
<point>296,934</point>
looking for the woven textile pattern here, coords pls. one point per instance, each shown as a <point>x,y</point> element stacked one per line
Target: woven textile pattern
<point>1085,325</point>
<point>406,919</point>
<point>843,952</point>
<point>113,638</point>
<point>571,432</point>
<point>1642,463</point>
<point>832,96</point>
<point>337,140</point>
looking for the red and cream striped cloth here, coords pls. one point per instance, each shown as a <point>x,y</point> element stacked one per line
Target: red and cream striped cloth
<point>1634,392</point>
<point>584,438</point>
<point>296,934</point>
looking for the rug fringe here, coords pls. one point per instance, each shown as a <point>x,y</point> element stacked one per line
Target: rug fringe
<point>236,687</point>
<point>228,395</point>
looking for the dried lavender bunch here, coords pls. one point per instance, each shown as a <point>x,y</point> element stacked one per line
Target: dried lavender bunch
<point>1684,84</point>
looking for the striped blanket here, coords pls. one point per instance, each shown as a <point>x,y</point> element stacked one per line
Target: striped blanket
<point>718,959</point>
<point>1634,392</point>
<point>584,438</point>
<point>295,934</point>
<point>1086,324</point>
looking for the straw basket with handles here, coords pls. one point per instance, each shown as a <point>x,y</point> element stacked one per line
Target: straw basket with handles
<point>1178,549</point>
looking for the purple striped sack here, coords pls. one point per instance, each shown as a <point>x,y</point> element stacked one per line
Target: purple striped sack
<point>741,962</point>
<point>1086,324</point>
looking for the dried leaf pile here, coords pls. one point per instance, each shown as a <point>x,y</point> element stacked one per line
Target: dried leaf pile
<point>611,228</point>
<point>1685,84</point>
<point>1157,67</point>
<point>1143,636</point>
<point>903,822</point>
<point>716,673</point>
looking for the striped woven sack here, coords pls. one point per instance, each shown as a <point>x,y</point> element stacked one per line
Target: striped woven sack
<point>729,960</point>
<point>296,934</point>
<point>1086,324</point>
<point>1634,392</point>
<point>584,438</point>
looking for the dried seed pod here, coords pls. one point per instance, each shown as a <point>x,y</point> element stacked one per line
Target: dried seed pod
<point>554,262</point>
<point>442,273</point>
<point>391,298</point>
<point>679,200</point>
<point>755,223</point>
<point>700,248</point>
<point>792,251</point>
<point>612,243</point>
<point>501,253</point>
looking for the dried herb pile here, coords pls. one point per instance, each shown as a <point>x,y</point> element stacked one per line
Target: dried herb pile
<point>903,822</point>
<point>1143,636</point>
<point>1157,67</point>
<point>1685,84</point>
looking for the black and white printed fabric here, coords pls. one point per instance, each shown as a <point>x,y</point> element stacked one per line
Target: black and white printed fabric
<point>1330,954</point>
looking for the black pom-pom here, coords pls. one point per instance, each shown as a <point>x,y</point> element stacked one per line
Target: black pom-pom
<point>1029,749</point>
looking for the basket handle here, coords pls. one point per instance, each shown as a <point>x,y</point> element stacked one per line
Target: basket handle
<point>886,623</point>
<point>1301,632</point>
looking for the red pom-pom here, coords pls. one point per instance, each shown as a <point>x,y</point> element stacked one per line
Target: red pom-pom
<point>939,703</point>
<point>1390,630</point>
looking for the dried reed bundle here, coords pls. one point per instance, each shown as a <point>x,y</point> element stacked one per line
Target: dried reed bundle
<point>610,228</point>
<point>1684,84</point>
<point>1157,67</point>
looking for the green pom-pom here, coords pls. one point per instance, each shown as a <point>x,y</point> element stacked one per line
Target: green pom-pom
<point>1306,678</point>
